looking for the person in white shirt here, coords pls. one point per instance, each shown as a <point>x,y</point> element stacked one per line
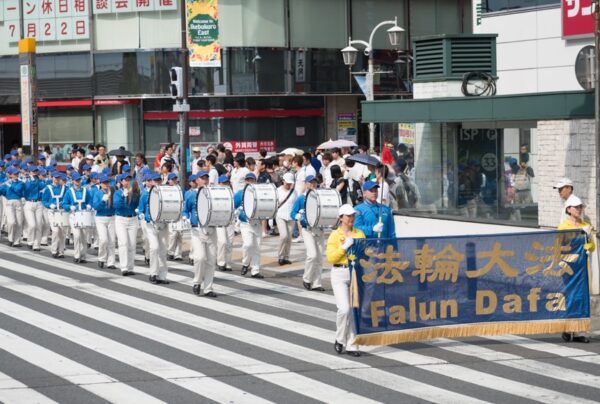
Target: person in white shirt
<point>300,174</point>
<point>338,160</point>
<point>195,159</point>
<point>325,170</point>
<point>213,174</point>
<point>383,195</point>
<point>286,196</point>
<point>171,157</point>
<point>238,174</point>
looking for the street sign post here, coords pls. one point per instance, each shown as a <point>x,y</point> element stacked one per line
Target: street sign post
<point>28,78</point>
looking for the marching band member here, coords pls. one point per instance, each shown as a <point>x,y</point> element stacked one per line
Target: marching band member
<point>224,237</point>
<point>93,186</point>
<point>52,199</point>
<point>14,190</point>
<point>2,198</point>
<point>339,243</point>
<point>375,220</point>
<point>157,234</point>
<point>313,241</point>
<point>147,184</point>
<point>286,196</point>
<point>77,199</point>
<point>204,240</point>
<point>126,200</point>
<point>251,234</point>
<point>33,210</point>
<point>44,177</point>
<point>192,190</point>
<point>175,237</point>
<point>102,202</point>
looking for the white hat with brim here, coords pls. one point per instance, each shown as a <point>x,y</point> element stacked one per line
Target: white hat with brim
<point>289,178</point>
<point>563,182</point>
<point>573,201</point>
<point>347,210</point>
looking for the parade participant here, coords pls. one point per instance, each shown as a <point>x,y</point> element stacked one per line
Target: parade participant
<point>575,220</point>
<point>193,189</point>
<point>52,199</point>
<point>102,202</point>
<point>175,242</point>
<point>339,244</point>
<point>125,202</point>
<point>204,240</point>
<point>224,237</point>
<point>157,234</point>
<point>33,209</point>
<point>251,234</point>
<point>313,241</point>
<point>46,179</point>
<point>77,199</point>
<point>286,196</point>
<point>375,220</point>
<point>13,190</point>
<point>565,190</point>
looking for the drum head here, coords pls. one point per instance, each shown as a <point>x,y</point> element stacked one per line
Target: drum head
<point>311,206</point>
<point>203,206</point>
<point>154,203</point>
<point>249,201</point>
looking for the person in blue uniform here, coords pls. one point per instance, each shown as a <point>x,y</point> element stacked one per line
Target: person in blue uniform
<point>125,202</point>
<point>368,219</point>
<point>52,199</point>
<point>251,234</point>
<point>102,202</point>
<point>225,236</point>
<point>193,188</point>
<point>33,210</point>
<point>46,180</point>
<point>175,243</point>
<point>14,192</point>
<point>77,198</point>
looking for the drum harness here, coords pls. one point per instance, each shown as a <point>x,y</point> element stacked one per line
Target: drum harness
<point>56,197</point>
<point>83,194</point>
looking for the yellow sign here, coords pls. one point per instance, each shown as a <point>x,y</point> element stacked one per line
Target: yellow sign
<point>202,17</point>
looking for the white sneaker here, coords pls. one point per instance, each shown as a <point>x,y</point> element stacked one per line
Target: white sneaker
<point>297,240</point>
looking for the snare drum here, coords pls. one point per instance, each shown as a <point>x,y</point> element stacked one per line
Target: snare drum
<point>321,207</point>
<point>260,201</point>
<point>214,206</point>
<point>165,203</point>
<point>82,219</point>
<point>180,226</point>
<point>58,218</point>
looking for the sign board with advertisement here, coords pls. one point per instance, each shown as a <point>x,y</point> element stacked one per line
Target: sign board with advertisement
<point>194,131</point>
<point>406,133</point>
<point>250,146</point>
<point>346,126</point>
<point>577,18</point>
<point>203,33</point>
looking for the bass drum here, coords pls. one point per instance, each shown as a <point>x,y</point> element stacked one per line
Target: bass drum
<point>321,207</point>
<point>260,201</point>
<point>165,203</point>
<point>58,218</point>
<point>214,206</point>
<point>83,219</point>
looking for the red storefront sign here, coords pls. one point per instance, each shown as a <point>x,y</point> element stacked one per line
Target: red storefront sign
<point>577,18</point>
<point>250,146</point>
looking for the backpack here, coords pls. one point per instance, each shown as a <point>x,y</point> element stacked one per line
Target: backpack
<point>355,192</point>
<point>522,180</point>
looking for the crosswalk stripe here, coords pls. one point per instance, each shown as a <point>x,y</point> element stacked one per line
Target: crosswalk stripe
<point>517,362</point>
<point>449,370</point>
<point>189,379</point>
<point>13,391</point>
<point>270,373</point>
<point>80,375</point>
<point>282,347</point>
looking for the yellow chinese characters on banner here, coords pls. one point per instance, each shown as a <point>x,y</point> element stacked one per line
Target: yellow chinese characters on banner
<point>202,18</point>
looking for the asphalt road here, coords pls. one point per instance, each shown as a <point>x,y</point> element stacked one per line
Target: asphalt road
<point>75,334</point>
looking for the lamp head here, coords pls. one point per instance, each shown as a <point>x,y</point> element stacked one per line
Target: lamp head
<point>395,34</point>
<point>350,54</point>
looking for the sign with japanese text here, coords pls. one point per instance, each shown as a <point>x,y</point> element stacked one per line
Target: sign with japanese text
<point>27,103</point>
<point>202,17</point>
<point>346,126</point>
<point>413,289</point>
<point>577,18</point>
<point>129,6</point>
<point>407,133</point>
<point>250,146</point>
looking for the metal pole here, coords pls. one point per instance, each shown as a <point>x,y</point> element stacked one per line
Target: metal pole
<point>184,140</point>
<point>371,97</point>
<point>597,105</point>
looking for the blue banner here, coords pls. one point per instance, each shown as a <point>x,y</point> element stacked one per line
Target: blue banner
<point>524,283</point>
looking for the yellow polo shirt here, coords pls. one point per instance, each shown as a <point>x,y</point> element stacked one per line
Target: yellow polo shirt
<point>335,254</point>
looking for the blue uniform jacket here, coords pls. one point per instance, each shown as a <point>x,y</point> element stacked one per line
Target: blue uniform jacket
<point>13,190</point>
<point>80,195</point>
<point>369,217</point>
<point>122,207</point>
<point>32,189</point>
<point>238,201</point>
<point>143,206</point>
<point>56,190</point>
<point>101,207</point>
<point>296,208</point>
<point>189,206</point>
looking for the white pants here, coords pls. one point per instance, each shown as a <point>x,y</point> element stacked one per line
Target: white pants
<point>251,240</point>
<point>175,241</point>
<point>58,237</point>
<point>45,226</point>
<point>142,226</point>
<point>205,259</point>
<point>340,283</point>
<point>315,249</point>
<point>285,228</point>
<point>157,249</point>
<point>105,226</point>
<point>14,220</point>
<point>126,228</point>
<point>34,216</point>
<point>225,245</point>
<point>2,212</point>
<point>79,242</point>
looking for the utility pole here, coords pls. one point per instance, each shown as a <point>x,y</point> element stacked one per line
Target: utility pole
<point>597,103</point>
<point>28,81</point>
<point>184,138</point>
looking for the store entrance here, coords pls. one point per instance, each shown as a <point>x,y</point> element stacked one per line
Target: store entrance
<point>10,136</point>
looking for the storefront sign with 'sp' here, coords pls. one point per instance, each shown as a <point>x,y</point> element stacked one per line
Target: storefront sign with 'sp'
<point>577,18</point>
<point>202,17</point>
<point>250,146</point>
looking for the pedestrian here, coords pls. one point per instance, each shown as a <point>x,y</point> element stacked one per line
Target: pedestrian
<point>565,190</point>
<point>286,196</point>
<point>339,244</point>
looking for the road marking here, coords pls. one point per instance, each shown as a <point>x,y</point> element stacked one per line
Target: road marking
<point>13,391</point>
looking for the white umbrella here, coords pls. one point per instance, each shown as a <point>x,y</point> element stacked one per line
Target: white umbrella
<point>291,151</point>
<point>330,144</point>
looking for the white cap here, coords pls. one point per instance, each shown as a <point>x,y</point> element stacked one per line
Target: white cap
<point>89,157</point>
<point>573,201</point>
<point>347,210</point>
<point>563,182</point>
<point>289,178</point>
<point>195,149</point>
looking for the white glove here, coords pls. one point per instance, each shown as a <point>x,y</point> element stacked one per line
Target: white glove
<point>125,192</point>
<point>348,243</point>
<point>22,199</point>
<point>378,228</point>
<point>104,198</point>
<point>52,206</point>
<point>72,208</point>
<point>298,216</point>
<point>137,211</point>
<point>587,230</point>
<point>88,207</point>
<point>141,216</point>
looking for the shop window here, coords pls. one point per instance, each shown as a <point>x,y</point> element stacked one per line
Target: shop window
<point>9,75</point>
<point>505,5</point>
<point>256,71</point>
<point>62,128</point>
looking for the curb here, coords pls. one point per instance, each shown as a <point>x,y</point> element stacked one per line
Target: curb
<point>595,306</point>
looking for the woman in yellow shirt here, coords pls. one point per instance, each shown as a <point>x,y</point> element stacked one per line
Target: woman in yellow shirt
<point>574,209</point>
<point>339,244</point>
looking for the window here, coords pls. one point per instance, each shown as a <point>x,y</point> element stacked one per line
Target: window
<point>490,6</point>
<point>65,125</point>
<point>64,75</point>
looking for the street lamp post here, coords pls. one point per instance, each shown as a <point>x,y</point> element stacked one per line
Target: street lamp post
<point>350,53</point>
